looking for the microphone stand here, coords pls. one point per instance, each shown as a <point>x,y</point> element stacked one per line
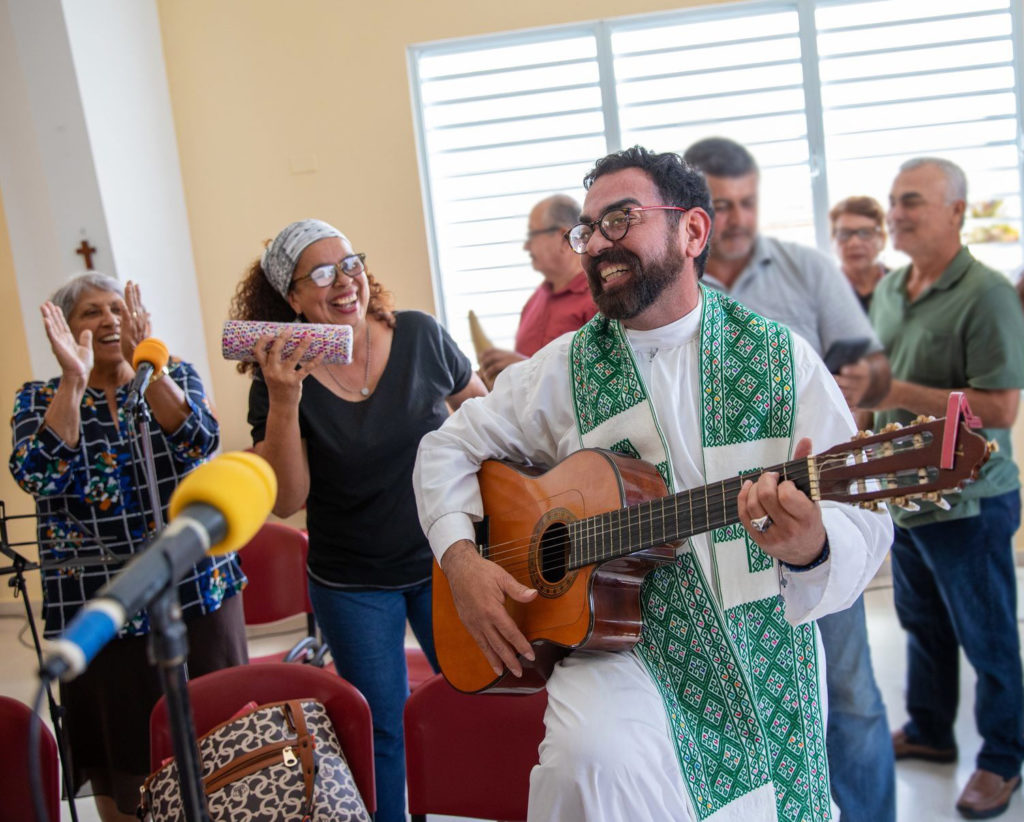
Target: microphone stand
<point>18,568</point>
<point>142,420</point>
<point>168,650</point>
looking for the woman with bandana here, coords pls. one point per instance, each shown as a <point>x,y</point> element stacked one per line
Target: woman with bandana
<point>342,439</point>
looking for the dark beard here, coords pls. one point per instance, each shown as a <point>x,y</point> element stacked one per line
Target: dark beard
<point>647,284</point>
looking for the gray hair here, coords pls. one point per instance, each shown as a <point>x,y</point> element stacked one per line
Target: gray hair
<point>721,157</point>
<point>562,210</point>
<point>67,296</point>
<point>956,180</point>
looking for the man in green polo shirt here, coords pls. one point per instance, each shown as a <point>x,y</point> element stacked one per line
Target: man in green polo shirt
<point>949,323</point>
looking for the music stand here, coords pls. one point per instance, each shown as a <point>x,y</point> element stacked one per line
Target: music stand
<point>19,565</point>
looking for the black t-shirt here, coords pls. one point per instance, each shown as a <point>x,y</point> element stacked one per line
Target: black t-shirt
<point>361,513</point>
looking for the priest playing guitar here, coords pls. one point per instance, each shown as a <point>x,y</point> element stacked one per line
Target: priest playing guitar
<point>656,541</point>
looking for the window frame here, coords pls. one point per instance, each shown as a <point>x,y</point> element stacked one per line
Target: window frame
<point>602,32</point>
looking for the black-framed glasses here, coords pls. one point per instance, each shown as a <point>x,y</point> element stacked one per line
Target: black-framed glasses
<point>844,235</point>
<point>352,266</point>
<point>612,224</point>
<point>536,232</point>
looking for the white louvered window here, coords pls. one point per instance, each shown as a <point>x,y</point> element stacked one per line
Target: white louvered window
<point>829,96</point>
<point>502,127</point>
<point>736,76</point>
<point>897,83</point>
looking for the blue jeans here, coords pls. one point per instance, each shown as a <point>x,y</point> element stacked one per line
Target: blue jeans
<point>860,759</point>
<point>955,587</point>
<point>365,631</point>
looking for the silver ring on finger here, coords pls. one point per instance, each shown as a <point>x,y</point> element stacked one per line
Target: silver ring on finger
<point>762,524</point>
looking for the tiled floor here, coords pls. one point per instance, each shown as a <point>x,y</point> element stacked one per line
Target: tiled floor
<point>926,793</point>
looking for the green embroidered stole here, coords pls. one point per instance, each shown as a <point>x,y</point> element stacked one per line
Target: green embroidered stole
<point>741,686</point>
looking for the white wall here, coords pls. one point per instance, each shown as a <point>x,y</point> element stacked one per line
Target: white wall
<point>47,176</point>
<point>88,150</point>
<point>119,65</point>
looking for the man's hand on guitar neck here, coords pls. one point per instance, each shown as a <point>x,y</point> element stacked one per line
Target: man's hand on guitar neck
<point>794,532</point>
<point>479,588</point>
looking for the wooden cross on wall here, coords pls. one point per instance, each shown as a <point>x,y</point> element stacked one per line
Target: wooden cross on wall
<point>86,251</point>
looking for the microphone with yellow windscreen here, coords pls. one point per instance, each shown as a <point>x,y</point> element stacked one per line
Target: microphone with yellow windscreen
<point>150,357</point>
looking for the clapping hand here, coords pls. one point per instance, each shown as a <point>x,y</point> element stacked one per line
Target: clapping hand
<point>75,356</point>
<point>135,320</point>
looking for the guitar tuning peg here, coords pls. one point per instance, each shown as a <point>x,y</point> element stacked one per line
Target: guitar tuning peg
<point>938,500</point>
<point>870,505</point>
<point>906,503</point>
<point>863,435</point>
<point>892,426</point>
<point>923,418</point>
<point>992,446</point>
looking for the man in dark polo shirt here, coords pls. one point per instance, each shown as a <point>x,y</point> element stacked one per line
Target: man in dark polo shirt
<point>950,323</point>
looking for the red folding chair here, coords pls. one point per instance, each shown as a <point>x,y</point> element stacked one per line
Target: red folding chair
<point>15,793</point>
<point>418,666</point>
<point>275,563</point>
<point>218,696</point>
<point>470,754</point>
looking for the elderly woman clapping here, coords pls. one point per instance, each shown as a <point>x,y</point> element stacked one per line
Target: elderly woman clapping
<point>75,453</point>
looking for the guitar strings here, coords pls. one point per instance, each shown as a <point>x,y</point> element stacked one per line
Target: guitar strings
<point>699,514</point>
<point>501,552</point>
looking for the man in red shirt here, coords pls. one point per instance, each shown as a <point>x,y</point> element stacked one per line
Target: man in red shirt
<point>562,302</point>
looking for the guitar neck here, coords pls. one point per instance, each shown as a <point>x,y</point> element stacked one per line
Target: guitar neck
<point>669,519</point>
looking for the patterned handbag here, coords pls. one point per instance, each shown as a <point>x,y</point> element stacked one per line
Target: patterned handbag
<point>281,761</point>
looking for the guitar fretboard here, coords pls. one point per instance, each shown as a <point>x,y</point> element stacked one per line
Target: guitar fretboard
<point>669,519</point>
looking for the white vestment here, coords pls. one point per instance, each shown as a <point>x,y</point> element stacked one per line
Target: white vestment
<point>606,756</point>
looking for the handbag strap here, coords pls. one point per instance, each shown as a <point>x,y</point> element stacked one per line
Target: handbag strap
<point>305,744</point>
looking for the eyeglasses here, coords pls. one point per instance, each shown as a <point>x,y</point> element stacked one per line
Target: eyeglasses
<point>613,225</point>
<point>844,235</point>
<point>351,266</point>
<point>536,232</point>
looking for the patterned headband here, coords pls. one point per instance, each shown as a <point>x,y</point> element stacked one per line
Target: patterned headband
<point>281,256</point>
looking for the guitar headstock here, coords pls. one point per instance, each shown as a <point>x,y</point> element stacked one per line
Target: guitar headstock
<point>901,463</point>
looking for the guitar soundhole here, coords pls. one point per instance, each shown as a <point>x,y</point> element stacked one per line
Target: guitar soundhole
<point>554,553</point>
<point>550,548</point>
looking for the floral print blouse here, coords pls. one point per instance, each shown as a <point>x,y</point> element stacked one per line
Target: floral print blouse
<point>92,502</point>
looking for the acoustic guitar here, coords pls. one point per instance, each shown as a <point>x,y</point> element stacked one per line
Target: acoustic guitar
<point>586,532</point>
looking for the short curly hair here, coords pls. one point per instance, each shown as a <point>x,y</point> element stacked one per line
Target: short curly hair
<point>678,184</point>
<point>256,299</point>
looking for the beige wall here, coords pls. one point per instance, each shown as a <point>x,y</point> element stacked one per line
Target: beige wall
<point>259,85</point>
<point>15,369</point>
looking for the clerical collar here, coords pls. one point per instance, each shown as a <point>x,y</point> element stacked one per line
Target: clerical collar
<point>676,333</point>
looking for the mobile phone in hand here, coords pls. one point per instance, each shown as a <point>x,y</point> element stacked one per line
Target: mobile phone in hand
<point>844,352</point>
